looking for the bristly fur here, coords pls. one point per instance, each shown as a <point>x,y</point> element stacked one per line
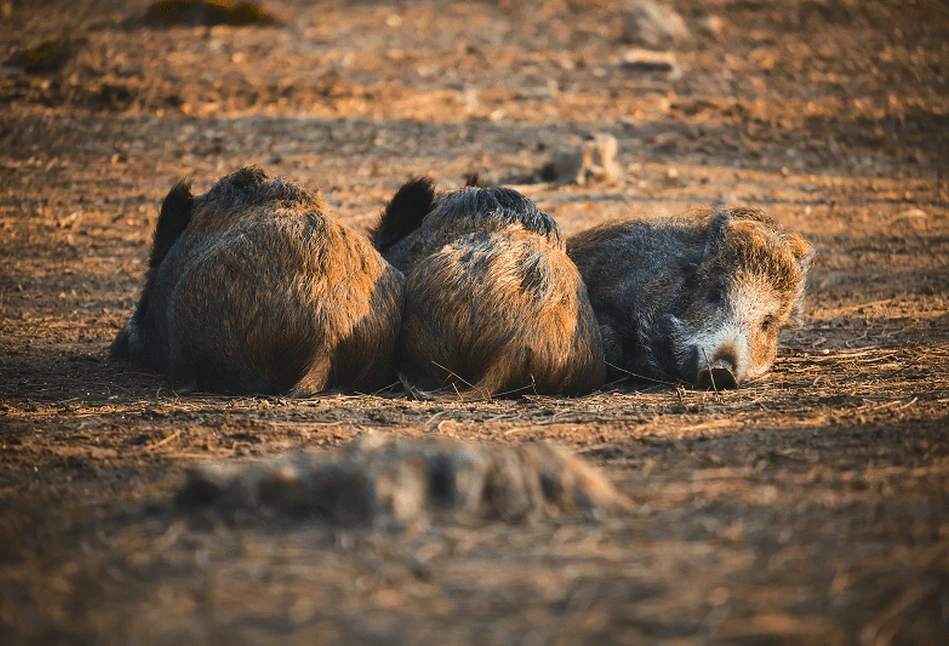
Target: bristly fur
<point>404,212</point>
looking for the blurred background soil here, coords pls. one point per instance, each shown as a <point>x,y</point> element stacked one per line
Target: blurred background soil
<point>810,507</point>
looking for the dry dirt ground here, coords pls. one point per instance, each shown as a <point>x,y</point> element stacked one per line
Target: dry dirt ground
<point>811,507</point>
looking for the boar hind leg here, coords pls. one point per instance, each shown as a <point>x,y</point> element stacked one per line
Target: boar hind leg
<point>182,373</point>
<point>613,351</point>
<point>130,344</point>
<point>120,346</point>
<point>219,378</point>
<point>523,370</point>
<point>363,361</point>
<point>506,377</point>
<point>316,379</point>
<point>196,369</point>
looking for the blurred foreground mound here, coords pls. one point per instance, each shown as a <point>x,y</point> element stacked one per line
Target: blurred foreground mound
<point>168,13</point>
<point>47,58</point>
<point>377,481</point>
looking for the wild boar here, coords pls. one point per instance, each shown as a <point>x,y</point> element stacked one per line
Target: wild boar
<point>700,298</point>
<point>493,305</point>
<point>253,288</point>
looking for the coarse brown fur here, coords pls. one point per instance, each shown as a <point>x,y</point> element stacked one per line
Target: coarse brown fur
<point>253,288</point>
<point>493,304</point>
<point>694,297</point>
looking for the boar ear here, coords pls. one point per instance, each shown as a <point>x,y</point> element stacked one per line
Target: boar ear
<point>796,318</point>
<point>717,231</point>
<point>404,212</point>
<point>174,218</point>
<point>803,252</point>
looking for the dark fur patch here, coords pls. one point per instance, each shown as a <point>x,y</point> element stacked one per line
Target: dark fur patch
<point>404,212</point>
<point>175,215</point>
<point>252,186</point>
<point>501,205</point>
<point>243,181</point>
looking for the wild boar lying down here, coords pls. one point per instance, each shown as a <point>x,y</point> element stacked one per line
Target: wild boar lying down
<point>253,288</point>
<point>700,298</point>
<point>378,481</point>
<point>493,305</point>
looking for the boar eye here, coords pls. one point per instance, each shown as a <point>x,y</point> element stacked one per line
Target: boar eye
<point>714,296</point>
<point>768,323</point>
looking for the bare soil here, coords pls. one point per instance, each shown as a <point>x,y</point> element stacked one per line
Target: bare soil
<point>812,506</point>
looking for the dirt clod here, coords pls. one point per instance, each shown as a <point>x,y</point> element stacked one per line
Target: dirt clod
<point>593,161</point>
<point>653,24</point>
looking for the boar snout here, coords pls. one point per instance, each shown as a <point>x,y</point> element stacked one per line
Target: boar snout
<point>719,370</point>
